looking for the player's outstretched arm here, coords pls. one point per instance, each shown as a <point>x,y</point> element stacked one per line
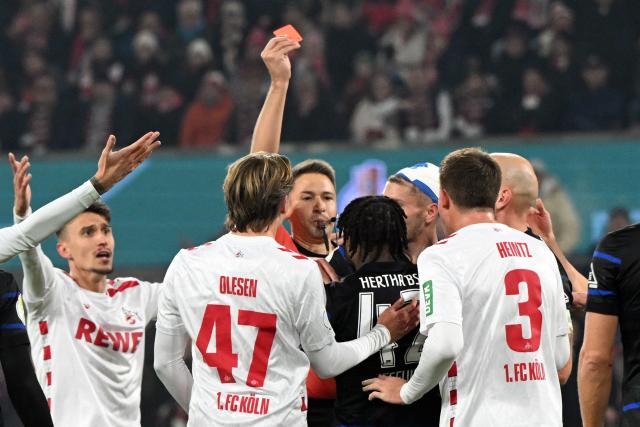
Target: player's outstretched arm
<point>113,166</point>
<point>594,367</point>
<point>37,268</point>
<point>336,357</point>
<point>266,134</point>
<point>540,221</point>
<point>169,364</point>
<point>445,342</point>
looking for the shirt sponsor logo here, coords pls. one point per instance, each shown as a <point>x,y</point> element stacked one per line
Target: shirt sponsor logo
<point>427,290</point>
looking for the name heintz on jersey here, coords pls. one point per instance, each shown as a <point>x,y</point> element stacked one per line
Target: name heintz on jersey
<point>389,280</point>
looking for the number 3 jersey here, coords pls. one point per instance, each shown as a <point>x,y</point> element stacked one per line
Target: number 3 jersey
<point>353,308</point>
<point>505,290</point>
<point>249,305</point>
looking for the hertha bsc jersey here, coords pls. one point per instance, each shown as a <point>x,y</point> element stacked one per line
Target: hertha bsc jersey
<point>505,290</point>
<point>250,306</point>
<point>87,347</point>
<point>353,307</point>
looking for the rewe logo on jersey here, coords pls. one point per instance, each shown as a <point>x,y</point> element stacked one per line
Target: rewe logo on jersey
<point>427,291</point>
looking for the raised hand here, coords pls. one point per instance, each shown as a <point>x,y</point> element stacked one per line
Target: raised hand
<point>21,180</point>
<point>275,57</point>
<point>113,166</point>
<point>400,320</point>
<point>539,220</point>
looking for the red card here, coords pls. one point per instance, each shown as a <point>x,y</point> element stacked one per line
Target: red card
<point>289,32</point>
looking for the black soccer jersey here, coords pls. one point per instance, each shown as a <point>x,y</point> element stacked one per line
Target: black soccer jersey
<point>12,330</point>
<point>353,308</point>
<point>566,283</point>
<point>614,289</point>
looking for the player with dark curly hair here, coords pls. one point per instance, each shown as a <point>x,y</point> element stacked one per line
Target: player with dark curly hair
<point>375,240</point>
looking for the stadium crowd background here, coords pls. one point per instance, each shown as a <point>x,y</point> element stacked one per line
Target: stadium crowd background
<point>373,74</point>
<point>381,72</point>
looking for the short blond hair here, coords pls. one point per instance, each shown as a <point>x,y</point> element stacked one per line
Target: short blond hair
<point>254,189</point>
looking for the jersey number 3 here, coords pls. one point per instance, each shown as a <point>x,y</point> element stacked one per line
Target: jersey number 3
<point>529,308</point>
<point>218,317</point>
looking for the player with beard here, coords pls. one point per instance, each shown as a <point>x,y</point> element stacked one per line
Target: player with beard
<point>477,286</point>
<point>416,189</point>
<point>86,331</point>
<point>375,238</point>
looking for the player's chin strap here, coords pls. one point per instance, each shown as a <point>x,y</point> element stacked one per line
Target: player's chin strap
<point>445,344</point>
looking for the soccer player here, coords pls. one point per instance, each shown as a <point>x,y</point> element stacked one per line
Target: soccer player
<point>112,167</point>
<point>416,189</point>
<point>255,313</point>
<point>375,238</point>
<point>22,385</point>
<point>612,300</point>
<point>87,332</point>
<point>519,207</point>
<point>491,300</point>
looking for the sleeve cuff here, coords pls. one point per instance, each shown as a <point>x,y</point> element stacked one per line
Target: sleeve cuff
<point>87,194</point>
<point>17,219</point>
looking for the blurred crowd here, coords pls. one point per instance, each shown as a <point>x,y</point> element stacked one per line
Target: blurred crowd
<point>377,72</point>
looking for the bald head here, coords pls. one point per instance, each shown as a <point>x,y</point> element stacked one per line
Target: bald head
<point>519,177</point>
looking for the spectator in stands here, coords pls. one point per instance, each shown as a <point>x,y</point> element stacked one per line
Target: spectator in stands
<point>473,100</point>
<point>375,119</point>
<point>229,35</point>
<point>198,62</point>
<point>406,39</point>
<point>536,110</point>
<point>598,106</point>
<point>309,113</point>
<point>511,61</point>
<point>426,113</point>
<point>207,117</point>
<point>561,22</point>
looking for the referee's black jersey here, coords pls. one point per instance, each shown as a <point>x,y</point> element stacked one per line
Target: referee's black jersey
<point>353,307</point>
<point>12,330</point>
<point>614,289</point>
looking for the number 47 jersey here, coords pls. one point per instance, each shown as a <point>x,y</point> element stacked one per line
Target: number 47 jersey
<point>505,290</point>
<point>248,305</point>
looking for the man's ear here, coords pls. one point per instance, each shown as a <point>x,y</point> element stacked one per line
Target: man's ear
<point>431,213</point>
<point>63,251</point>
<point>504,198</point>
<point>444,201</point>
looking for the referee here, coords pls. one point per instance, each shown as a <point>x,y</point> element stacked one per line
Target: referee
<point>613,298</point>
<point>15,356</point>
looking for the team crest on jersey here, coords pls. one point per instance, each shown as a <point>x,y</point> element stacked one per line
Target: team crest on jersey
<point>130,316</point>
<point>593,282</point>
<point>239,254</point>
<point>427,291</point>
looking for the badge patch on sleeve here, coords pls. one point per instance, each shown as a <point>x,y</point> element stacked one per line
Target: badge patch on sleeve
<point>427,290</point>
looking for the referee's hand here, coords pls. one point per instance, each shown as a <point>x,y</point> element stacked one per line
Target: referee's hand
<point>399,319</point>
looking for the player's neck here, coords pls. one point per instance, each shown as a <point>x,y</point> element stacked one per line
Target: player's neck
<point>513,219</point>
<point>311,244</point>
<point>423,241</point>
<point>89,280</point>
<point>471,217</point>
<point>269,232</point>
<point>385,256</point>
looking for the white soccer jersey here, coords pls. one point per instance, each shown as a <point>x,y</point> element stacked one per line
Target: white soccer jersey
<point>249,305</point>
<point>504,288</point>
<point>88,348</point>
